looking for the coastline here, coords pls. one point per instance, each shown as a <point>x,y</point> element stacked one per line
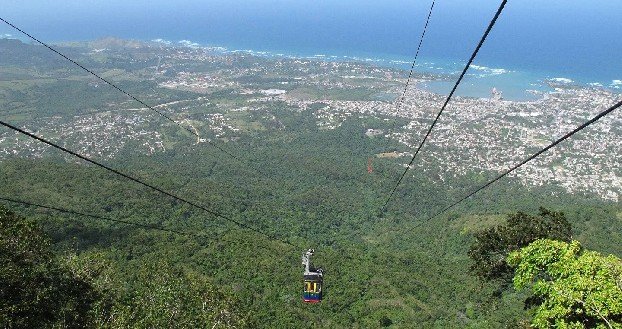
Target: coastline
<point>515,84</point>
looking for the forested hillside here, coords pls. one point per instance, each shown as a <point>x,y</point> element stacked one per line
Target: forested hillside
<point>292,179</point>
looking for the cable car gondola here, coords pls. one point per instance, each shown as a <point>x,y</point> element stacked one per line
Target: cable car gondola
<point>313,278</point>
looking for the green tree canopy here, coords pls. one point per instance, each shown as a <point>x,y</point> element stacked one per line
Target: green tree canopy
<point>577,288</point>
<point>492,246</point>
<point>40,290</point>
<point>36,290</point>
<point>163,296</point>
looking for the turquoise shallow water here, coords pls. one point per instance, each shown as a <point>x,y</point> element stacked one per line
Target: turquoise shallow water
<point>517,86</point>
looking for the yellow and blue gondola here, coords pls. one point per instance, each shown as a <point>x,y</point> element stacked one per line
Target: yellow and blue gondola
<point>313,279</point>
<point>312,289</point>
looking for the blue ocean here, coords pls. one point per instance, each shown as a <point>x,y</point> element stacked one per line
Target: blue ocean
<point>534,41</point>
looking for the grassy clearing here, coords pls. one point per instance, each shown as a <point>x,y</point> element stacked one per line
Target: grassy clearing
<point>474,223</point>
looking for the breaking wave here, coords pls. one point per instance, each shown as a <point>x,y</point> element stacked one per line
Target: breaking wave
<point>562,80</point>
<point>485,71</point>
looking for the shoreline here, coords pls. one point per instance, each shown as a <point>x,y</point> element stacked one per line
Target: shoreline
<point>513,84</point>
<point>524,87</point>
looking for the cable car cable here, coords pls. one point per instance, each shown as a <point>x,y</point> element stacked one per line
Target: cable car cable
<point>453,90</point>
<point>67,211</point>
<point>150,186</point>
<point>401,99</point>
<point>152,227</point>
<point>412,67</point>
<point>535,155</point>
<point>137,100</point>
<point>131,96</point>
<point>127,93</point>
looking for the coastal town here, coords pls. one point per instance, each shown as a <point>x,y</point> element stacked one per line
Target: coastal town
<point>488,136</point>
<point>237,93</point>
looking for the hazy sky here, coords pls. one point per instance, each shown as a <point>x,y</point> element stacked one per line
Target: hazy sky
<point>528,16</point>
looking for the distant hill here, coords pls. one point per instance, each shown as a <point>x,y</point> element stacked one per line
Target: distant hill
<point>115,43</point>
